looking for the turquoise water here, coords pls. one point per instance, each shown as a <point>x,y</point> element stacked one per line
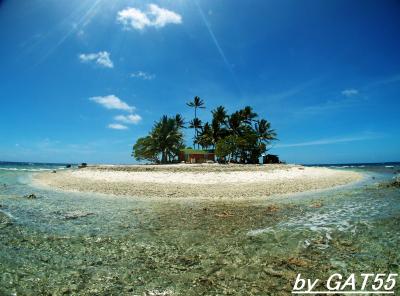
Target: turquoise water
<point>91,244</point>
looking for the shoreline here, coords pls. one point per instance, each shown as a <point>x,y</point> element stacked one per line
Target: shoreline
<point>207,181</point>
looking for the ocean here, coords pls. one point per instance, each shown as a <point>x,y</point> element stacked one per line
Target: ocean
<point>92,244</point>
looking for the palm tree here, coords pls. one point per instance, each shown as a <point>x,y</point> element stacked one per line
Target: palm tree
<point>165,139</point>
<point>145,149</point>
<point>264,131</point>
<point>235,122</point>
<point>219,114</point>
<point>205,137</point>
<point>252,135</point>
<point>180,121</point>
<point>218,124</point>
<point>197,103</point>
<point>248,115</point>
<point>196,124</point>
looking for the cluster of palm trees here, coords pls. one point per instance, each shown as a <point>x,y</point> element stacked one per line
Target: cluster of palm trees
<point>239,137</point>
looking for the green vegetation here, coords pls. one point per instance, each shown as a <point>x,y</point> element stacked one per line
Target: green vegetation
<point>239,137</point>
<point>165,140</point>
<point>196,151</point>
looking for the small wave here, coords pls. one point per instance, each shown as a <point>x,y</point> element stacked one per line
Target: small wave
<point>389,166</point>
<point>256,232</point>
<point>29,170</point>
<point>347,166</point>
<point>324,222</point>
<point>10,216</point>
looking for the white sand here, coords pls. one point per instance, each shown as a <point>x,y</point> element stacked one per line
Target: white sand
<point>294,173</point>
<point>197,181</point>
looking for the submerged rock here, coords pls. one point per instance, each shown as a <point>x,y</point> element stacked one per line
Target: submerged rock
<point>158,293</point>
<point>272,272</point>
<point>76,215</point>
<point>30,196</point>
<point>316,205</point>
<point>224,214</point>
<point>272,208</point>
<point>82,165</point>
<point>395,183</point>
<point>5,220</point>
<point>300,262</point>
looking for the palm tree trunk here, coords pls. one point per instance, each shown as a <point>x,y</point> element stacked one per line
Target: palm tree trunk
<point>195,128</point>
<point>164,157</point>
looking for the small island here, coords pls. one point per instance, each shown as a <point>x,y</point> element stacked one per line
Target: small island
<point>224,163</point>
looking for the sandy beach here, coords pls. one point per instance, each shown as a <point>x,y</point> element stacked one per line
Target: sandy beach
<point>211,181</point>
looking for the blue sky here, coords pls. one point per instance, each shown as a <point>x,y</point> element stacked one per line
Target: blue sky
<point>81,80</point>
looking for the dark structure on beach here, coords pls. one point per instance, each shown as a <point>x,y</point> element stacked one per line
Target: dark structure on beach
<point>270,158</point>
<point>196,156</point>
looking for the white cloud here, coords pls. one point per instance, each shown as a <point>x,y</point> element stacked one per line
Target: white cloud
<point>112,102</point>
<point>132,17</point>
<point>368,136</point>
<point>350,92</point>
<point>143,75</point>
<point>163,16</point>
<point>327,106</point>
<point>101,58</point>
<point>349,101</point>
<point>130,119</point>
<point>155,16</point>
<point>117,126</point>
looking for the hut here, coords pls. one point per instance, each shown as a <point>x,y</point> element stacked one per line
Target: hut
<point>271,158</point>
<point>196,156</point>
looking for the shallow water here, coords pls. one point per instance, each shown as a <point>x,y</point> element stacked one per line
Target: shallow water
<point>90,244</point>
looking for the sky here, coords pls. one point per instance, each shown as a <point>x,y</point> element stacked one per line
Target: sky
<point>81,80</point>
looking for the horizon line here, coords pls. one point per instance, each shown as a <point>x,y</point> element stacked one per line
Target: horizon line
<point>342,292</point>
